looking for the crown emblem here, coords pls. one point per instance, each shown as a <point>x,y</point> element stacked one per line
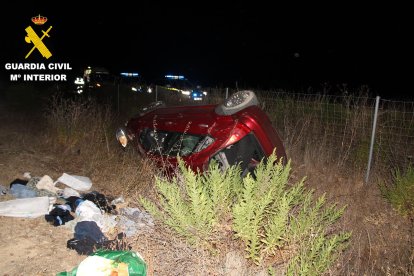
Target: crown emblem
<point>39,20</point>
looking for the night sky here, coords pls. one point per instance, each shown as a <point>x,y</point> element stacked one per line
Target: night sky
<point>293,46</point>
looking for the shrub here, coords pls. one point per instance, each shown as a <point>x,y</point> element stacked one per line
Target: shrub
<point>401,193</point>
<point>193,204</point>
<point>265,213</point>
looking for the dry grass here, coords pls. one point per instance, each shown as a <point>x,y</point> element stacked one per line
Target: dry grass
<point>382,242</point>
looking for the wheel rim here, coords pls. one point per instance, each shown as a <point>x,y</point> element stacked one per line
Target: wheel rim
<point>237,99</point>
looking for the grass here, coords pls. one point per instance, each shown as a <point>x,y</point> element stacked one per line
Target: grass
<point>401,193</point>
<point>325,138</point>
<point>84,130</point>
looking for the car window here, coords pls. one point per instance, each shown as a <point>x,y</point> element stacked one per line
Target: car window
<point>173,143</point>
<point>247,152</point>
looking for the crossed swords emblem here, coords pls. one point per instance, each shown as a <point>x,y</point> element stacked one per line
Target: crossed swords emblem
<point>32,37</point>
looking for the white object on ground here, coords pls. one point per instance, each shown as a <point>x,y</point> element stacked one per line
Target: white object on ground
<point>68,192</point>
<point>27,175</point>
<point>88,211</point>
<point>32,207</point>
<point>46,183</point>
<point>96,265</point>
<point>118,200</point>
<point>80,183</point>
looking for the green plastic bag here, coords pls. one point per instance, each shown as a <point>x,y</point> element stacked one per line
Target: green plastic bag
<point>108,262</point>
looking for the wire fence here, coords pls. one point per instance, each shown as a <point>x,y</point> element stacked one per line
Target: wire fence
<point>334,129</point>
<point>394,147</point>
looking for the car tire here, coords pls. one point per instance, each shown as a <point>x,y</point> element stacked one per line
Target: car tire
<point>236,102</point>
<point>152,106</point>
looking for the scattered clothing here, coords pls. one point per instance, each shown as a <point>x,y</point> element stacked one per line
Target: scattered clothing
<point>88,211</point>
<point>89,230</point>
<point>46,188</point>
<point>68,192</point>
<point>118,200</point>
<point>73,202</point>
<point>89,215</point>
<point>100,200</point>
<point>46,183</point>
<point>133,221</point>
<point>59,215</point>
<point>83,247</point>
<point>18,181</point>
<point>22,191</point>
<point>26,207</point>
<point>27,175</point>
<point>4,190</point>
<point>86,246</point>
<point>33,185</point>
<point>127,226</point>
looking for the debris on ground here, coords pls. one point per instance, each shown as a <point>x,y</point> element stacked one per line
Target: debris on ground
<point>32,207</point>
<point>93,217</point>
<point>108,263</point>
<point>77,182</point>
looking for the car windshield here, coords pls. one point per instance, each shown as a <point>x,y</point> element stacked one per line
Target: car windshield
<point>173,143</point>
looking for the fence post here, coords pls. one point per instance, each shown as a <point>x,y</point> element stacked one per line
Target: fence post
<point>374,126</point>
<point>227,92</point>
<point>156,93</point>
<point>118,98</point>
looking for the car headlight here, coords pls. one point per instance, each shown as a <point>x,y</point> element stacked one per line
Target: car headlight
<point>121,136</point>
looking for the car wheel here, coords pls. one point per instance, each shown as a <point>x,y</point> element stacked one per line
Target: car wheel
<point>237,102</point>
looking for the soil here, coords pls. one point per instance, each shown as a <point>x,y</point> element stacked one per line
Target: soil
<point>381,241</point>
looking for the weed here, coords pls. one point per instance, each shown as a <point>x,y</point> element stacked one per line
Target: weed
<point>401,193</point>
<point>263,212</point>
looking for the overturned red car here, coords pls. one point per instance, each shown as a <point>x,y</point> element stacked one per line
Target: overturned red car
<point>235,132</point>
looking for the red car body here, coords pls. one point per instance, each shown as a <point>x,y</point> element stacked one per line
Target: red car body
<point>203,134</point>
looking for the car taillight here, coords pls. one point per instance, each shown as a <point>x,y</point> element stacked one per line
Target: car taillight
<point>237,133</point>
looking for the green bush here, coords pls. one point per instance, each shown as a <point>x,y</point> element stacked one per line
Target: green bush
<point>317,254</point>
<point>401,193</point>
<point>263,211</point>
<point>195,205</point>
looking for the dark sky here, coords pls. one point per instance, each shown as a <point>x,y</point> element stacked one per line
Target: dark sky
<point>293,46</point>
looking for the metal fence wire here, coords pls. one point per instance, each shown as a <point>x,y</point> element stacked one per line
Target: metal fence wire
<point>336,129</point>
<point>394,142</point>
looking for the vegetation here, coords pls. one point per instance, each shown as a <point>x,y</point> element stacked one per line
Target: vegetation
<point>264,212</point>
<point>401,193</point>
<point>79,123</point>
<point>320,132</point>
